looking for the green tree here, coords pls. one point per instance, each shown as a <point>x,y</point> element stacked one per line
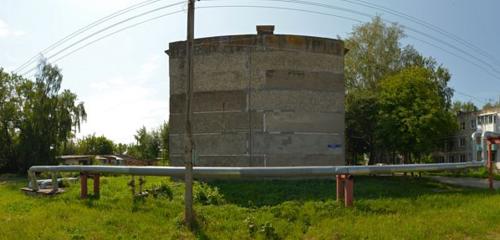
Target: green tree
<point>459,106</point>
<point>148,144</point>
<point>120,148</point>
<point>48,117</point>
<point>412,117</point>
<point>361,120</point>
<point>95,145</point>
<point>9,120</point>
<point>410,57</point>
<point>164,137</point>
<point>374,52</point>
<point>491,104</point>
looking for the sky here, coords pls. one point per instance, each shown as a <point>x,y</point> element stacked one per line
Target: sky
<point>123,79</point>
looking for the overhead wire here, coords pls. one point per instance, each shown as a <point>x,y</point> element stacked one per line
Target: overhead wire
<point>107,28</point>
<point>238,6</point>
<point>450,45</point>
<point>425,24</point>
<point>85,28</point>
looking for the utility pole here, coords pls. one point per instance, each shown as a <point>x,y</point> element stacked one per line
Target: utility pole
<point>189,143</point>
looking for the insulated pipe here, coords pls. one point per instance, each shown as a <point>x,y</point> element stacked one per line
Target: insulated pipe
<point>484,142</point>
<point>475,135</point>
<point>257,172</point>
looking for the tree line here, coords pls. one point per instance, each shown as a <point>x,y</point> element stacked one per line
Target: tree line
<point>36,118</point>
<point>150,145</point>
<point>39,121</point>
<point>398,105</point>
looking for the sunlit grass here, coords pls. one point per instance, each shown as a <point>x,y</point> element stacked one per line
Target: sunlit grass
<point>385,208</point>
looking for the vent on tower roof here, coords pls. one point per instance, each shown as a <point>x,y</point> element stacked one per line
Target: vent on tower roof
<point>265,29</point>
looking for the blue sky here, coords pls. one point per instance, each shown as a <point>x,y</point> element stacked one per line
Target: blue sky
<point>123,79</point>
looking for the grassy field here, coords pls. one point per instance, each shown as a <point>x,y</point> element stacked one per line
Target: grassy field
<point>385,208</point>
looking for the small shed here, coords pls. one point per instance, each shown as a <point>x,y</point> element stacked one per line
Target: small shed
<point>75,159</point>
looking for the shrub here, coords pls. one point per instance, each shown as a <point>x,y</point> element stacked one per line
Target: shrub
<point>207,195</point>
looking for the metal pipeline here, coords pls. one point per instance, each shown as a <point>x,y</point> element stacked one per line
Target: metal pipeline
<point>256,172</point>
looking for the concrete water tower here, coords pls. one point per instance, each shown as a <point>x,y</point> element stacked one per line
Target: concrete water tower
<point>260,100</point>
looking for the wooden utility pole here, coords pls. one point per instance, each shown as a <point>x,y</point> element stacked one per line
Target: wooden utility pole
<point>189,143</point>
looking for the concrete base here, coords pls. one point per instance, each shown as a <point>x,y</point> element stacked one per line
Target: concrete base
<point>43,192</point>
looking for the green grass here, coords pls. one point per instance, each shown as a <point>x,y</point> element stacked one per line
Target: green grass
<point>471,173</point>
<point>385,208</point>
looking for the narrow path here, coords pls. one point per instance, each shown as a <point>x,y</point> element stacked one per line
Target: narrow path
<point>466,182</point>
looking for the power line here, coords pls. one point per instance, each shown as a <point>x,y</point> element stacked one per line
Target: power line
<point>425,24</point>
<point>316,4</point>
<point>406,16</point>
<point>115,32</point>
<point>370,16</point>
<point>470,96</point>
<point>225,6</point>
<point>348,18</point>
<point>87,27</point>
<point>106,28</point>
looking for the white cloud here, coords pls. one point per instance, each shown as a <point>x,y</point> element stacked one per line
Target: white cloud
<point>6,31</point>
<point>119,106</point>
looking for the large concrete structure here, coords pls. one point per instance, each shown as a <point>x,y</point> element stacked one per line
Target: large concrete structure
<point>260,100</point>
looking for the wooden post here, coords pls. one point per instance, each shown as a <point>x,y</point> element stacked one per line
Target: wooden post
<point>189,143</point>
<point>83,185</point>
<point>97,184</point>
<point>490,166</point>
<point>132,185</point>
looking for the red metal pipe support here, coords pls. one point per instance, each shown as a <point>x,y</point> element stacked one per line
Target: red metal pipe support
<point>349,190</point>
<point>490,166</point>
<point>345,189</point>
<point>340,188</point>
<point>96,184</point>
<point>83,185</point>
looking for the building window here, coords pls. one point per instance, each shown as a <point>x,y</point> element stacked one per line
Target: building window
<point>451,159</point>
<point>463,125</point>
<point>462,142</point>
<point>462,158</point>
<point>472,124</point>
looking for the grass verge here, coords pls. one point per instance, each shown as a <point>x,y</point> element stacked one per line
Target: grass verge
<point>385,208</point>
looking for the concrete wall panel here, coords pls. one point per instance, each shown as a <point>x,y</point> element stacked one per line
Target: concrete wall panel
<point>304,122</point>
<point>304,80</point>
<point>217,72</point>
<point>309,101</point>
<point>223,161</point>
<point>301,61</point>
<point>274,160</point>
<point>217,122</point>
<point>212,144</point>
<point>211,101</point>
<point>290,143</point>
